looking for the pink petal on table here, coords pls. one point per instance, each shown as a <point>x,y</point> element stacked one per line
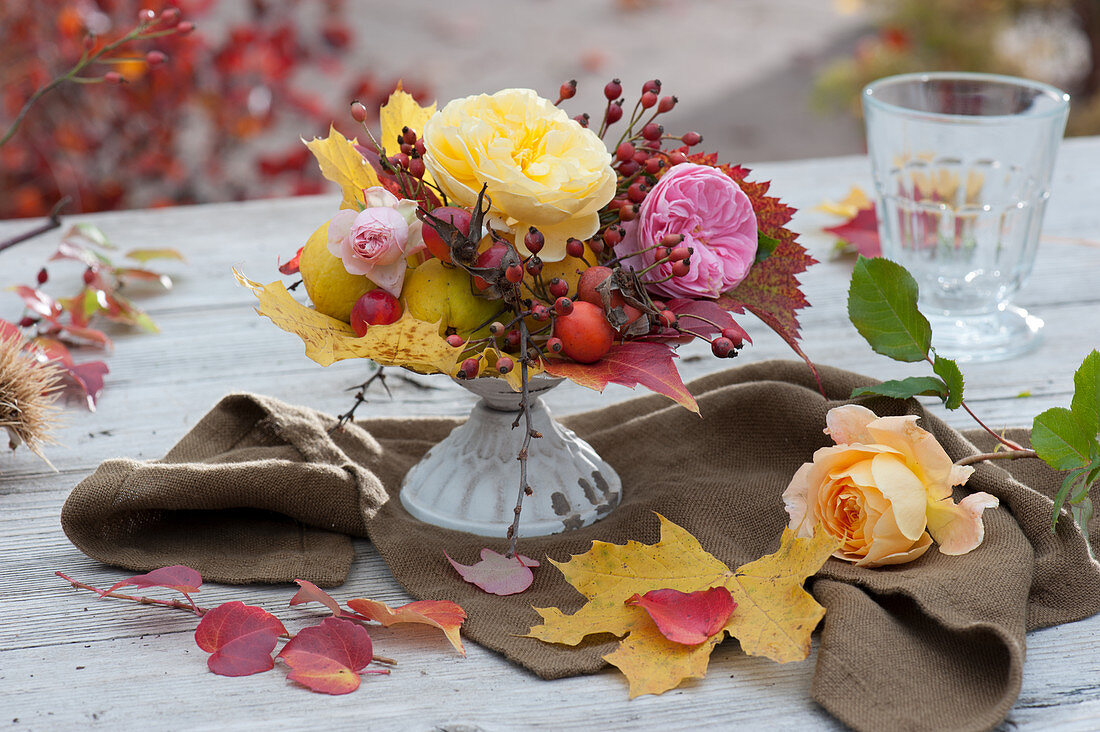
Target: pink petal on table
<point>496,573</point>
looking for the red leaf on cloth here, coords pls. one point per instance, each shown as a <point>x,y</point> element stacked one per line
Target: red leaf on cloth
<point>38,302</point>
<point>861,231</point>
<point>496,573</point>
<point>309,592</point>
<point>442,614</point>
<point>291,266</point>
<point>689,618</point>
<point>240,638</point>
<point>177,577</point>
<point>629,364</point>
<point>329,657</point>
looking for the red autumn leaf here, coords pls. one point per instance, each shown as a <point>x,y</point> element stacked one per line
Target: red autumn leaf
<point>309,592</point>
<point>496,573</point>
<point>177,577</point>
<point>442,614</point>
<point>84,380</point>
<point>629,364</point>
<point>240,638</point>
<point>70,249</point>
<point>291,266</point>
<point>144,275</point>
<point>329,657</point>
<point>85,335</point>
<point>38,302</point>
<point>705,317</point>
<point>687,617</point>
<point>861,231</point>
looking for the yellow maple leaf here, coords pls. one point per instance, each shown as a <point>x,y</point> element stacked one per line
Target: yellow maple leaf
<point>774,616</point>
<point>342,164</point>
<point>399,111</point>
<point>847,207</point>
<point>408,342</point>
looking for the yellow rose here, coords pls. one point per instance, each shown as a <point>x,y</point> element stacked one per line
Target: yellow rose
<point>884,491</point>
<point>541,168</point>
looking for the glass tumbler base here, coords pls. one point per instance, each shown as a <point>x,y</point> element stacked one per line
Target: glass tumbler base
<point>1007,332</point>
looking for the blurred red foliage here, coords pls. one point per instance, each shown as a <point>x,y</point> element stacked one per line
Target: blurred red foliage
<point>219,120</point>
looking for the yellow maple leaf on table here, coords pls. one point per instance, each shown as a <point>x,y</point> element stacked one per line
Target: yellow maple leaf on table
<point>344,165</point>
<point>407,342</point>
<point>774,616</point>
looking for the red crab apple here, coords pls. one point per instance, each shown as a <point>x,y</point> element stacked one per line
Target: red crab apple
<point>376,307</point>
<point>436,244</point>
<point>585,333</point>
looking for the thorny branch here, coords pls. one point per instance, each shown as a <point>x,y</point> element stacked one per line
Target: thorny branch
<point>361,396</point>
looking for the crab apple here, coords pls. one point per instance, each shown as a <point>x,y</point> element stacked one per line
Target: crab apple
<point>534,266</point>
<point>488,259</point>
<point>614,113</point>
<point>534,240</point>
<point>648,100</point>
<point>376,307</point>
<point>653,131</point>
<point>590,279</point>
<point>554,345</point>
<point>667,318</point>
<point>540,312</point>
<point>563,306</point>
<point>558,287</point>
<point>512,338</point>
<point>574,247</point>
<point>680,252</point>
<point>613,89</point>
<point>681,268</point>
<point>513,273</point>
<point>585,333</point>
<point>455,340</point>
<point>505,364</point>
<point>625,151</point>
<point>666,104</point>
<point>628,168</point>
<point>568,89</point>
<point>435,242</point>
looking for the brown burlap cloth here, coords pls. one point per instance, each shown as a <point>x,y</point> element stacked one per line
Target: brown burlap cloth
<point>259,491</point>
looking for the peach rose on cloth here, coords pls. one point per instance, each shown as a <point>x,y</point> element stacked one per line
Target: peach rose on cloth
<point>884,491</point>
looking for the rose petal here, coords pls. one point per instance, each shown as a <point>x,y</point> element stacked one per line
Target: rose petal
<point>900,557</point>
<point>848,424</point>
<point>958,528</point>
<point>921,449</point>
<point>904,491</point>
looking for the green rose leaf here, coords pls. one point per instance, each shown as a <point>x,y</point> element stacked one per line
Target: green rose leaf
<point>948,370</point>
<point>1086,393</point>
<point>1060,439</point>
<point>905,388</point>
<point>882,305</point>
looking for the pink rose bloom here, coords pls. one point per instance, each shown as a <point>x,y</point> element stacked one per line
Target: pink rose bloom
<point>717,221</point>
<point>375,241</point>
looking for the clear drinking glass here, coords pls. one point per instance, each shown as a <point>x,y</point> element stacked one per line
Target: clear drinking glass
<point>962,166</point>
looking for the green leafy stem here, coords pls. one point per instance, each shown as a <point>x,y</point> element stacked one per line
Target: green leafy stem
<point>882,305</point>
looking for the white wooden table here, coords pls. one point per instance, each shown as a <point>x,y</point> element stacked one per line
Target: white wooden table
<point>69,660</point>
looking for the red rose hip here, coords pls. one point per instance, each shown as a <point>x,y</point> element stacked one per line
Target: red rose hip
<point>585,333</point>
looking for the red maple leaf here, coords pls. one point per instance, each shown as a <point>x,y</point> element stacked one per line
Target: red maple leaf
<point>861,231</point>
<point>496,573</point>
<point>629,364</point>
<point>291,266</point>
<point>177,577</point>
<point>239,638</point>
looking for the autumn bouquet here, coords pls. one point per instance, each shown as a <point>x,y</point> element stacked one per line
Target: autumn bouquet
<point>501,237</point>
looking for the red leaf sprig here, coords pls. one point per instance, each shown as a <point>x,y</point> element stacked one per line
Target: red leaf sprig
<point>327,658</point>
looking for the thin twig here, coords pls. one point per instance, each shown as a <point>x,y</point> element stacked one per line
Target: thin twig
<point>528,433</point>
<point>177,604</point>
<point>1002,455</point>
<point>53,221</point>
<point>360,397</point>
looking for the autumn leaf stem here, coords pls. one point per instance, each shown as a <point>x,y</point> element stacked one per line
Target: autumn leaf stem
<point>1002,455</point>
<point>189,606</point>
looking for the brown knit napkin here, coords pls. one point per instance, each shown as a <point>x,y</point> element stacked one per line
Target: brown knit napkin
<point>259,491</point>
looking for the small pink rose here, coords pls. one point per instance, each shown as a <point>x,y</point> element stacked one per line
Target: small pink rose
<point>375,241</point>
<point>715,218</point>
